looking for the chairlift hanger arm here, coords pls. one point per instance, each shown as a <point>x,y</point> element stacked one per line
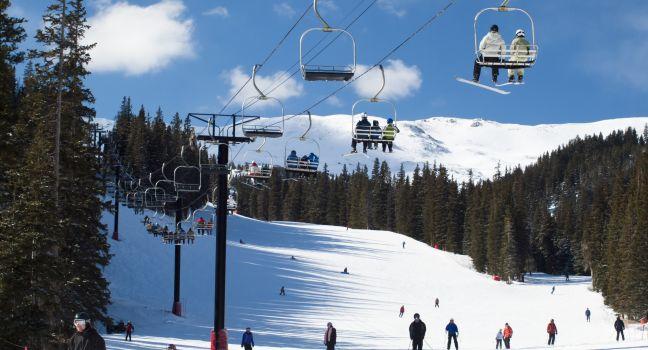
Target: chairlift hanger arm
<point>262,96</point>
<point>326,27</point>
<point>382,72</point>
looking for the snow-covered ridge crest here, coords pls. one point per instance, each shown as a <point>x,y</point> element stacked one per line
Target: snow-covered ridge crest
<point>460,144</point>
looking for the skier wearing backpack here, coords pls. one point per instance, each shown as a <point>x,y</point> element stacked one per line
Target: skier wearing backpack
<point>552,331</point>
<point>417,332</point>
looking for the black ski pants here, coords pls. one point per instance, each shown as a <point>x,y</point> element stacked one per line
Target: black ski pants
<point>247,346</point>
<point>507,343</point>
<point>390,145</point>
<point>498,343</point>
<point>364,145</point>
<point>494,70</point>
<point>417,344</point>
<point>622,336</point>
<point>129,336</point>
<point>552,339</point>
<point>450,337</point>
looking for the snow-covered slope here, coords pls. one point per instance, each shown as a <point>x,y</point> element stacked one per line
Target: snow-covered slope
<point>363,305</point>
<point>459,144</point>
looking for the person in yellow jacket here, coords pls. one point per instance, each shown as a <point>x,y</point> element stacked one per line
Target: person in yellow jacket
<point>520,52</point>
<point>389,134</point>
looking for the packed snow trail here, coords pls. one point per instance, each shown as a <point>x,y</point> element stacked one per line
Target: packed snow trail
<point>363,305</point>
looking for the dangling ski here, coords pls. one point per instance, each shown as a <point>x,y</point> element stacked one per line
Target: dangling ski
<point>490,88</point>
<point>510,83</point>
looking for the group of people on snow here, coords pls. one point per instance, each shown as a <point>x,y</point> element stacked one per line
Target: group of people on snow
<point>370,134</point>
<point>308,162</point>
<point>492,48</point>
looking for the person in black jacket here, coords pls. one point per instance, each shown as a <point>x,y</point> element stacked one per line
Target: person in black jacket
<point>362,130</point>
<point>417,332</point>
<point>619,326</point>
<point>330,336</point>
<point>85,337</point>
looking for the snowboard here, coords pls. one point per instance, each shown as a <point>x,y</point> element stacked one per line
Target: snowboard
<point>490,88</point>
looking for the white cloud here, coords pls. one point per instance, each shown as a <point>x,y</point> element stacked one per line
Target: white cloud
<point>400,80</point>
<point>236,77</point>
<point>284,9</point>
<point>334,101</point>
<point>328,5</point>
<point>139,39</point>
<point>389,6</point>
<point>217,11</point>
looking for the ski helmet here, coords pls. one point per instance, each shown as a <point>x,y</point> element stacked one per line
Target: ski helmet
<point>82,316</point>
<point>520,32</point>
<point>416,315</point>
<point>390,120</point>
<point>494,28</point>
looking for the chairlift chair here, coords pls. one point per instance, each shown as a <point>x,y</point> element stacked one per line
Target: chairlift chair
<point>317,72</point>
<point>369,134</point>
<point>260,130</point>
<point>203,220</point>
<point>297,167</point>
<point>258,164</point>
<point>187,178</point>
<point>511,59</point>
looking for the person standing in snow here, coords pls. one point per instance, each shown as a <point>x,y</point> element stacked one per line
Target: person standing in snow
<point>282,291</point>
<point>552,331</point>
<point>330,336</point>
<point>588,313</point>
<point>619,326</point>
<point>247,341</point>
<point>403,244</point>
<point>520,51</point>
<point>417,332</point>
<point>436,302</point>
<point>402,311</point>
<point>508,334</point>
<point>85,337</point>
<point>553,289</point>
<point>129,331</point>
<point>453,333</point>
<point>498,339</point>
<point>491,48</point>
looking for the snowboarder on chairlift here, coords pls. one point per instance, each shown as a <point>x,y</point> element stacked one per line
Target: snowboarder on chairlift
<point>361,133</point>
<point>520,51</point>
<point>588,313</point>
<point>491,48</point>
<point>313,161</point>
<point>292,160</point>
<point>402,311</point>
<point>389,134</point>
<point>552,331</point>
<point>417,332</point>
<point>374,134</point>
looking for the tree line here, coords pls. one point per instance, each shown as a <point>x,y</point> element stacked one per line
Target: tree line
<point>53,246</point>
<point>580,209</point>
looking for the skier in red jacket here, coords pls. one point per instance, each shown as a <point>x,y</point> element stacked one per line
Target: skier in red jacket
<point>402,311</point>
<point>552,330</point>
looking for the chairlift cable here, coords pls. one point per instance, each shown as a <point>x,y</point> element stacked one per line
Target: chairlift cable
<point>272,52</point>
<point>317,54</point>
<point>391,52</point>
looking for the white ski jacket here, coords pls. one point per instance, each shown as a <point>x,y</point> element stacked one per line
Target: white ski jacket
<point>492,45</point>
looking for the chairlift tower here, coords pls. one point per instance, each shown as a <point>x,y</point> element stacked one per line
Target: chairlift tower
<point>221,130</point>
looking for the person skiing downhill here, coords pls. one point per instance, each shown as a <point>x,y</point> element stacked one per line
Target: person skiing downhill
<point>85,337</point>
<point>520,50</point>
<point>588,313</point>
<point>417,332</point>
<point>491,48</point>
<point>498,339</point>
<point>619,326</point>
<point>282,291</point>
<point>247,341</point>
<point>402,311</point>
<point>552,331</point>
<point>453,333</point>
<point>129,331</point>
<point>508,334</point>
<point>436,302</point>
<point>330,336</point>
<point>553,289</point>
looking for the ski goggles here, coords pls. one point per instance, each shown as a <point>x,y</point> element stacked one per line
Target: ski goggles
<point>79,322</point>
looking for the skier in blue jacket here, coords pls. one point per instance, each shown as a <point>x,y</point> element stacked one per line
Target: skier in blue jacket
<point>453,333</point>
<point>248,341</point>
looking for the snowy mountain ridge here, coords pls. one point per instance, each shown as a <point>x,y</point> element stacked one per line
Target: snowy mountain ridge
<point>460,144</point>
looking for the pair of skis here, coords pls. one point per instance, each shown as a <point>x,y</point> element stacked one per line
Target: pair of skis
<point>489,88</point>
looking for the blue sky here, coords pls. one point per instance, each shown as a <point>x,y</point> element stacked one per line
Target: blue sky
<point>188,55</point>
